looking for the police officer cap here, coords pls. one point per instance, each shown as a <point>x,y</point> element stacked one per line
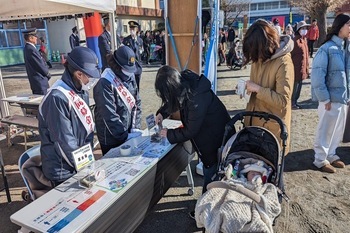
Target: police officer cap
<point>31,31</point>
<point>85,60</point>
<point>125,57</point>
<point>133,24</point>
<point>74,29</point>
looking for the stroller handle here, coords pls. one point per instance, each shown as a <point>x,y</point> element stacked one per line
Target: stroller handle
<point>262,115</point>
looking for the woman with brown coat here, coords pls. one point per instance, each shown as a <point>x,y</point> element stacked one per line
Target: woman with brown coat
<point>271,76</point>
<point>300,58</point>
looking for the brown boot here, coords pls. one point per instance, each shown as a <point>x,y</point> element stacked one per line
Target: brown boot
<point>328,168</point>
<point>338,164</point>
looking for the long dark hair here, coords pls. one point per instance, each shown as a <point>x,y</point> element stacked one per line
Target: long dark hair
<point>338,23</point>
<point>169,87</point>
<point>260,42</point>
<point>112,63</point>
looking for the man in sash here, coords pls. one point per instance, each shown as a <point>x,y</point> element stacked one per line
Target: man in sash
<point>118,104</point>
<point>65,120</point>
<point>104,43</point>
<point>136,44</point>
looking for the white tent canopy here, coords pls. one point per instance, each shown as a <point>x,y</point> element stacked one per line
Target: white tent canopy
<point>24,9</point>
<point>29,9</point>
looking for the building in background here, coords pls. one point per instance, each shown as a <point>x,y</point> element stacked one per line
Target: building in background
<point>148,13</point>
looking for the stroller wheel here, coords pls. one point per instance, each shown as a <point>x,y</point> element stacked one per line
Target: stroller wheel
<point>25,196</point>
<point>190,192</point>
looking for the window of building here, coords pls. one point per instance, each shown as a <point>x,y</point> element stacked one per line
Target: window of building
<point>274,5</point>
<point>125,28</point>
<point>13,38</point>
<point>261,6</point>
<point>253,7</point>
<point>284,4</point>
<point>3,43</point>
<point>268,5</point>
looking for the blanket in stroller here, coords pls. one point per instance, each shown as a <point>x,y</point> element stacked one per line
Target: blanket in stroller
<point>238,205</point>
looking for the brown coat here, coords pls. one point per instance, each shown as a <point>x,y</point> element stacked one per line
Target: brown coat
<point>276,77</point>
<point>300,58</point>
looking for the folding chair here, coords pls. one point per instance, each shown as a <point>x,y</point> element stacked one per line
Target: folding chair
<point>32,152</point>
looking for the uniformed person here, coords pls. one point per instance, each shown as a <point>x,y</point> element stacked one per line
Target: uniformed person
<point>37,70</point>
<point>136,44</point>
<point>118,104</point>
<point>104,43</point>
<point>65,120</point>
<point>74,39</point>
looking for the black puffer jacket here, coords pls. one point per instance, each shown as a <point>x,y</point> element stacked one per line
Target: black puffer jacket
<point>203,116</point>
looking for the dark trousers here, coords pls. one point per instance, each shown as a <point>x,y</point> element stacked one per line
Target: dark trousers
<point>209,176</point>
<point>138,78</point>
<point>296,91</point>
<point>310,44</point>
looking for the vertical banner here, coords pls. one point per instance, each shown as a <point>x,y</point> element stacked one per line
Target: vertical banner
<point>93,29</point>
<point>211,58</point>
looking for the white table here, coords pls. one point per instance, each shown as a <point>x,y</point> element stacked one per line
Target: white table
<point>107,206</point>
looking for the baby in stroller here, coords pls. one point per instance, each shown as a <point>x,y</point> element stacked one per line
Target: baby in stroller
<point>242,202</point>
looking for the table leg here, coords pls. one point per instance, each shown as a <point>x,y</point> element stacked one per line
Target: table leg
<point>25,138</point>
<point>4,177</point>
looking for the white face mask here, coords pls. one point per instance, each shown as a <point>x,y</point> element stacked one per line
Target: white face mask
<point>132,32</point>
<point>89,85</point>
<point>303,32</point>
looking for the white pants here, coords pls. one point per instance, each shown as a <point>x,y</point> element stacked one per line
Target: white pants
<point>329,133</point>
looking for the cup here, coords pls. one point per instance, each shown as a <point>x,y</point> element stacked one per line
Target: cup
<point>241,86</point>
<point>125,150</point>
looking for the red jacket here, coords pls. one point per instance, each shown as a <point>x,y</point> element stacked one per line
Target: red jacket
<point>313,33</point>
<point>300,58</point>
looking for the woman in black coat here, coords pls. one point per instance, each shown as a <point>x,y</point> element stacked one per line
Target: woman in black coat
<point>203,115</point>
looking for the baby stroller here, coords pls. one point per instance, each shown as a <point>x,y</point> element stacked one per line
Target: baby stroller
<point>233,59</point>
<point>250,144</point>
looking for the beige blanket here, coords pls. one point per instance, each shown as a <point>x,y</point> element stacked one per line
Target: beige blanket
<point>37,182</point>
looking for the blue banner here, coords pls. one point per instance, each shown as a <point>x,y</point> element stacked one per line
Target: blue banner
<point>211,55</point>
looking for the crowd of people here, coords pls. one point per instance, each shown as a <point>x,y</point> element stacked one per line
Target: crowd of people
<point>279,64</point>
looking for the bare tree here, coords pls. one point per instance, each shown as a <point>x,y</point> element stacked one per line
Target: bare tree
<point>317,9</point>
<point>233,9</point>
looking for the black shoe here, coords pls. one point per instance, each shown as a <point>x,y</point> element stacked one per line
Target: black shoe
<point>192,215</point>
<point>295,107</point>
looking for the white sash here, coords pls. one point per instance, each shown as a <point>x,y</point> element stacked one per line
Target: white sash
<point>80,107</point>
<point>125,95</point>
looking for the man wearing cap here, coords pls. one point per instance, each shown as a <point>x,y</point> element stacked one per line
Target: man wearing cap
<point>65,120</point>
<point>74,39</point>
<point>118,104</point>
<point>135,43</point>
<point>37,71</point>
<point>104,43</point>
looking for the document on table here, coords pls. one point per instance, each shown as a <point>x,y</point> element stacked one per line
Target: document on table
<point>119,174</point>
<point>58,216</point>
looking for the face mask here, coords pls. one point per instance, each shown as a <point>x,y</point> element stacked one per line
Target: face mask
<point>132,32</point>
<point>89,85</point>
<point>303,32</point>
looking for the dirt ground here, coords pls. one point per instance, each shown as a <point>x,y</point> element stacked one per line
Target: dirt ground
<point>319,202</point>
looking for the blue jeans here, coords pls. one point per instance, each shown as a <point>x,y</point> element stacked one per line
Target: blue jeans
<point>209,174</point>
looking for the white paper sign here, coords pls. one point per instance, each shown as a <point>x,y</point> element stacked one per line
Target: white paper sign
<point>83,156</point>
